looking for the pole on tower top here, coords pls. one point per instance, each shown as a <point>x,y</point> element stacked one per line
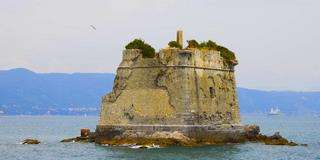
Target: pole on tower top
<point>180,37</point>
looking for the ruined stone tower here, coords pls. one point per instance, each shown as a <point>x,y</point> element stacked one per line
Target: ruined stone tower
<point>192,91</point>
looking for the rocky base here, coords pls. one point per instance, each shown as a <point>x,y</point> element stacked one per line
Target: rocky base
<point>184,135</point>
<point>177,135</point>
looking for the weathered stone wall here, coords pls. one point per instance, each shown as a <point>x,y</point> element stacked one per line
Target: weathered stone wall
<point>177,87</point>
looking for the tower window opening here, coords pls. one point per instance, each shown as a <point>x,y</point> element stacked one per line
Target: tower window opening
<point>212,92</point>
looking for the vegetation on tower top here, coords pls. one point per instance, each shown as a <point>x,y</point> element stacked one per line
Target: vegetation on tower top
<point>174,44</point>
<point>192,44</point>
<point>227,55</point>
<point>208,45</point>
<point>146,49</point>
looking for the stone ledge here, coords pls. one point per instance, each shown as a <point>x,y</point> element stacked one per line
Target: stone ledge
<point>176,66</point>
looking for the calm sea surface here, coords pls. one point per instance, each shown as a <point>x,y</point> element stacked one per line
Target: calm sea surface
<point>51,129</point>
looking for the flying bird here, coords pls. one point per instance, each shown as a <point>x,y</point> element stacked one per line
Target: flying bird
<point>93,27</point>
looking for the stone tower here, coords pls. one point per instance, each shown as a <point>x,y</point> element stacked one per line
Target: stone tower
<point>191,91</point>
<point>180,87</point>
<point>180,37</point>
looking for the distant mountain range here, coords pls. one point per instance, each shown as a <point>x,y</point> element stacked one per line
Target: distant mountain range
<point>25,92</point>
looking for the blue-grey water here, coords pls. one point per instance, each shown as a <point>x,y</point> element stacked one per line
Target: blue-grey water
<point>51,129</point>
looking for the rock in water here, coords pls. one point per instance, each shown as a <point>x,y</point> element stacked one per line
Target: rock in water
<point>30,141</point>
<point>85,132</point>
<point>85,136</point>
<point>275,139</point>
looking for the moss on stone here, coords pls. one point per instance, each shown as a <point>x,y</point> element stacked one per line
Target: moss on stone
<point>192,44</point>
<point>146,49</point>
<point>228,56</point>
<point>174,44</point>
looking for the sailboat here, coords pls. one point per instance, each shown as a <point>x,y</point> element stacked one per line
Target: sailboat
<point>274,111</point>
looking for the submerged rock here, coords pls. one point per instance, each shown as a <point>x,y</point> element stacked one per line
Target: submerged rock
<point>85,137</point>
<point>30,141</point>
<point>78,139</point>
<point>275,139</point>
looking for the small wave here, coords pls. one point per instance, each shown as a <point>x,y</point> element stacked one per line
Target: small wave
<point>144,146</point>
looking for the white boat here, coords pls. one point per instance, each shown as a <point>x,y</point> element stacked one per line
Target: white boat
<point>274,111</point>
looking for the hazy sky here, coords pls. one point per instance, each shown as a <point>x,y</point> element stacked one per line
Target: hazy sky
<point>277,42</point>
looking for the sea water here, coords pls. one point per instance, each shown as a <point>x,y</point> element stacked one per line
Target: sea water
<point>51,129</point>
